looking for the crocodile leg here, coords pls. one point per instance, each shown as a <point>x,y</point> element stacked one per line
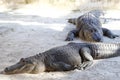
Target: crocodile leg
<point>87,58</point>
<point>71,35</point>
<point>108,33</point>
<point>85,65</point>
<point>61,66</point>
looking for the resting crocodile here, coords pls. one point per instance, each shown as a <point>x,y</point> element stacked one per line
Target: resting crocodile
<point>64,58</point>
<point>89,28</point>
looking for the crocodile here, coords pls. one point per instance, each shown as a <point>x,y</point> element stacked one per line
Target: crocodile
<point>89,28</point>
<point>65,58</point>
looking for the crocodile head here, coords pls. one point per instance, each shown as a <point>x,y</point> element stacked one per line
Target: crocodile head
<point>23,66</point>
<point>92,35</point>
<point>91,29</point>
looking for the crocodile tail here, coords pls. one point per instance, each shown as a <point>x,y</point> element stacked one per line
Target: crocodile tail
<point>72,20</point>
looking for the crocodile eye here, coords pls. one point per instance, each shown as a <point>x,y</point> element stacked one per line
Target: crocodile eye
<point>95,30</point>
<point>22,60</point>
<point>91,30</point>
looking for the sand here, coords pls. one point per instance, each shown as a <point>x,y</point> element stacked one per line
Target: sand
<point>23,35</point>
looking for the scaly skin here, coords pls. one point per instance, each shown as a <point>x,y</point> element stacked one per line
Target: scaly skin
<point>89,28</point>
<point>65,58</point>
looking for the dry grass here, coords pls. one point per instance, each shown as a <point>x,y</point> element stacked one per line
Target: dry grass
<point>64,4</point>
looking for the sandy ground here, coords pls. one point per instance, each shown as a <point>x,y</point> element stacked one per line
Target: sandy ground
<point>24,35</point>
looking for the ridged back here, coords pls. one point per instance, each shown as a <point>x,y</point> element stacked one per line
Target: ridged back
<point>105,50</point>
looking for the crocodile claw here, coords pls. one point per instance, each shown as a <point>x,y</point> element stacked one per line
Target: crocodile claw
<point>69,39</point>
<point>114,36</point>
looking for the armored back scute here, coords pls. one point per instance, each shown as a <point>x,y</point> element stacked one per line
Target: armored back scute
<point>89,28</point>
